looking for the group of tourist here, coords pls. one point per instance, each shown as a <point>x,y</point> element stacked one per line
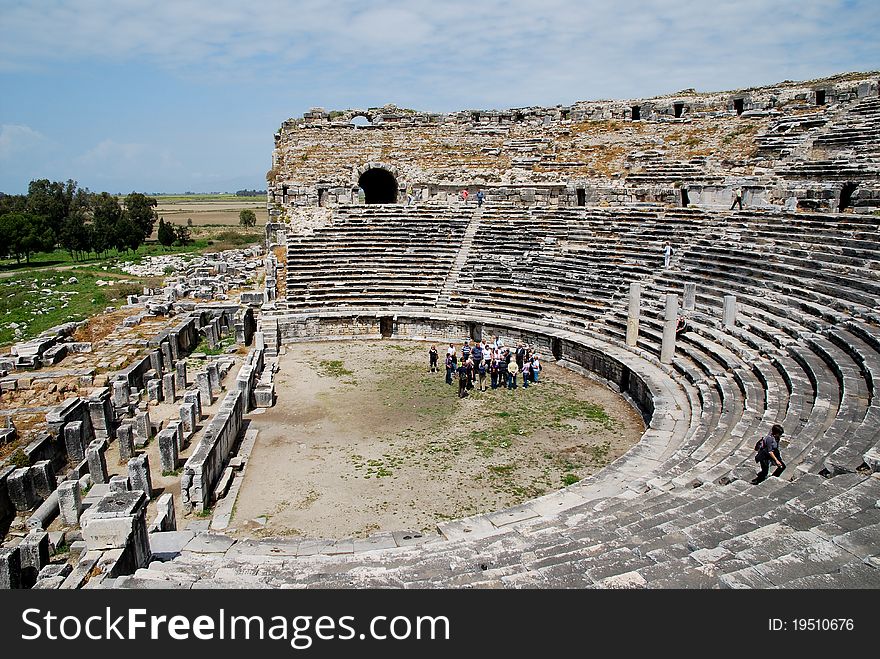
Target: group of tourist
<point>503,365</point>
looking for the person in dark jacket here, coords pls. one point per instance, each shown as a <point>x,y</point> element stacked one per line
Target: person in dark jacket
<point>432,357</point>
<point>768,449</point>
<point>463,380</point>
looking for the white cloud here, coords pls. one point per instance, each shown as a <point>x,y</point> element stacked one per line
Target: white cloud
<point>17,140</point>
<point>113,161</point>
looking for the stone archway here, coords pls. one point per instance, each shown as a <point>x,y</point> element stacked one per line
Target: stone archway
<point>379,185</point>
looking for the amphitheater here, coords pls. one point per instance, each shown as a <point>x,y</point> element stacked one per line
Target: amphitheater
<point>370,239</point>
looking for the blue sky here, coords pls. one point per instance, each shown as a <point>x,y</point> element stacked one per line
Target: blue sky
<point>162,96</point>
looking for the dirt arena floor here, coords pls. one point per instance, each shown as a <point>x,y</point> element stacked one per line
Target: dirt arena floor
<point>363,438</point>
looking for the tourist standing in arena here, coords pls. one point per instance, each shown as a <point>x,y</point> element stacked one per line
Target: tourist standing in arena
<point>463,380</point>
<point>432,356</point>
<point>536,367</point>
<point>450,366</point>
<point>768,449</point>
<point>494,370</point>
<point>480,368</point>
<point>512,371</point>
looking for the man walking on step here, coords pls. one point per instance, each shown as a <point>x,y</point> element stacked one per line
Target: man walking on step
<point>667,254</point>
<point>768,449</point>
<point>737,199</point>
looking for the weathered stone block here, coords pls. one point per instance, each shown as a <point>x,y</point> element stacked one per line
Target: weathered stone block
<point>119,483</point>
<point>139,475</point>
<point>74,442</point>
<point>168,454</point>
<point>69,502</point>
<point>10,568</point>
<point>125,440</point>
<point>44,478</point>
<point>97,461</point>
<point>22,493</point>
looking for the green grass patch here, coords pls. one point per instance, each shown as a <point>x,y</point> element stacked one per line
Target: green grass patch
<point>570,479</point>
<point>31,303</point>
<point>334,368</point>
<point>220,349</point>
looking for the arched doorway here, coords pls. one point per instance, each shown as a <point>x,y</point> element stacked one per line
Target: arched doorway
<point>846,195</point>
<point>379,186</point>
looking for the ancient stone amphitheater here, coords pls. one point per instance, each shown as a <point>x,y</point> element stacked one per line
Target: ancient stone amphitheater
<point>371,239</point>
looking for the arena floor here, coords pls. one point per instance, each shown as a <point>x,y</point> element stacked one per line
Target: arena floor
<point>364,439</point>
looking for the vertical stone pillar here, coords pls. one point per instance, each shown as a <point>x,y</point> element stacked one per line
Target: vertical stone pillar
<point>259,341</point>
<point>69,502</point>
<point>168,450</point>
<point>690,296</point>
<point>44,479</point>
<point>167,357</point>
<point>101,412</point>
<point>205,387</point>
<point>177,428</point>
<point>154,390</point>
<point>728,317</point>
<point>188,418</point>
<point>34,553</point>
<point>119,483</point>
<point>10,568</point>
<point>195,397</point>
<point>180,375</point>
<point>156,361</point>
<point>667,350</point>
<point>125,439</point>
<point>142,427</point>
<point>97,462</point>
<point>73,442</point>
<point>139,475</point>
<point>22,493</point>
<point>121,393</point>
<point>169,392</point>
<point>214,378</point>
<point>165,512</point>
<point>632,317</point>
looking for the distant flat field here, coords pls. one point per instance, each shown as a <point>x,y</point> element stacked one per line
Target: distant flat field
<point>205,210</point>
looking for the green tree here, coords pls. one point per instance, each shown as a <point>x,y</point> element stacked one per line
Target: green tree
<point>167,234</point>
<point>106,215</point>
<point>23,234</point>
<point>139,210</point>
<point>247,218</point>
<point>76,234</point>
<point>51,200</point>
<point>183,235</point>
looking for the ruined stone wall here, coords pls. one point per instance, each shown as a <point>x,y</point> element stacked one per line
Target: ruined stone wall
<point>541,155</point>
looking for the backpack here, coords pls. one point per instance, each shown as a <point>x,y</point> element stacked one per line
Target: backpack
<point>762,452</point>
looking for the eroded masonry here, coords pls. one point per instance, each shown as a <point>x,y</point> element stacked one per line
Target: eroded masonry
<point>371,237</point>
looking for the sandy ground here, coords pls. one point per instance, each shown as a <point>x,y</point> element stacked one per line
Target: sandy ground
<point>390,446</point>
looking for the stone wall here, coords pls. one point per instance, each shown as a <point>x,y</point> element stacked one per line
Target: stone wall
<point>536,155</point>
<point>206,464</point>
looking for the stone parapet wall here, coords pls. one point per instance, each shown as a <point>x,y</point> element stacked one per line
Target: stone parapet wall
<point>318,160</point>
<point>207,461</point>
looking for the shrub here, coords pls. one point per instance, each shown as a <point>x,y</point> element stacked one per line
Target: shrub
<point>19,459</point>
